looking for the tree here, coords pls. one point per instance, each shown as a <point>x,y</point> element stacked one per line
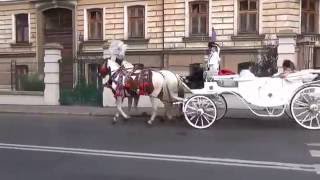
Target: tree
<point>267,65</point>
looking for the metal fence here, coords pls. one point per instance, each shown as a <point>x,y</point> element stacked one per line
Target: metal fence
<point>88,87</point>
<point>15,77</point>
<point>8,75</point>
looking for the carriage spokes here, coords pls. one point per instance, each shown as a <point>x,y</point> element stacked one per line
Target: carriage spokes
<point>305,107</point>
<point>200,111</point>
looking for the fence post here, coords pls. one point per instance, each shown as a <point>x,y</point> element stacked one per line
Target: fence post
<point>52,58</point>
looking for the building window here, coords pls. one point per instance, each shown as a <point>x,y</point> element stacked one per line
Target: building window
<point>136,18</point>
<point>308,16</point>
<point>248,16</point>
<point>95,24</point>
<point>199,18</point>
<point>20,74</point>
<point>22,28</point>
<point>93,74</point>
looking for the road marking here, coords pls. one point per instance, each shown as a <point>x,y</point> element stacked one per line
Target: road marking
<point>313,144</point>
<point>315,153</point>
<point>166,157</point>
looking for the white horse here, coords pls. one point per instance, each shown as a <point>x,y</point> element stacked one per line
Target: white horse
<point>132,100</point>
<point>165,86</point>
<point>116,53</point>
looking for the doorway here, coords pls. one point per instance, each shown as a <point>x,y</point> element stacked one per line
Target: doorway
<point>58,28</point>
<point>316,58</point>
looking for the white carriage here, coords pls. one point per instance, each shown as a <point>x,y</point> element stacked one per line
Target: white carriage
<point>298,95</point>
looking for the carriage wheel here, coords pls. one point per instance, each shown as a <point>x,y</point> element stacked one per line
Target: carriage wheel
<point>200,112</point>
<point>305,107</point>
<point>221,105</point>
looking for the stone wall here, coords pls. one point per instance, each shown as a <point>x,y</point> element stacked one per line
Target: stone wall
<point>281,16</point>
<point>10,51</point>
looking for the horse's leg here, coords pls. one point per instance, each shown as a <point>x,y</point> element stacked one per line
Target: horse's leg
<point>115,118</point>
<point>119,107</point>
<point>154,110</point>
<point>167,108</point>
<point>136,101</point>
<point>129,103</point>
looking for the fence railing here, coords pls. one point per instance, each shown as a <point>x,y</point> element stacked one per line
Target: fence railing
<point>8,75</point>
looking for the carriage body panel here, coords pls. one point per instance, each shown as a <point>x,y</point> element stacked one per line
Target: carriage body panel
<point>270,97</point>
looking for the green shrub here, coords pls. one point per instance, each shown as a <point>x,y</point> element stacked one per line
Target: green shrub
<point>82,94</point>
<point>32,82</point>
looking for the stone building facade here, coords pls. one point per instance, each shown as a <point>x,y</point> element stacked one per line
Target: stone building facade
<point>169,34</point>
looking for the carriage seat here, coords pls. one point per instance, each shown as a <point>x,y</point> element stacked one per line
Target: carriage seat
<point>232,80</point>
<point>306,75</point>
<point>245,75</point>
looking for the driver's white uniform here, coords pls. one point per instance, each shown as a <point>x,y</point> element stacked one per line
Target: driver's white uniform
<point>214,60</point>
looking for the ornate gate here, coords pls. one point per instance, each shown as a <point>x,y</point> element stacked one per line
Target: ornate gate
<point>88,88</point>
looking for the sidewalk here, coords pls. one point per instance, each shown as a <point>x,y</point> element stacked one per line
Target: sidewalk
<point>235,109</point>
<point>63,110</point>
<point>98,111</point>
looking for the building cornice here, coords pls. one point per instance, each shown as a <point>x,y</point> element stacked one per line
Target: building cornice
<point>13,2</point>
<point>18,55</point>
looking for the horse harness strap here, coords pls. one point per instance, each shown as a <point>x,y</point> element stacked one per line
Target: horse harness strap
<point>140,82</point>
<point>131,83</point>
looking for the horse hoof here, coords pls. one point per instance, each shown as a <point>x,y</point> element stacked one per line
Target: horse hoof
<point>114,121</point>
<point>125,119</point>
<point>162,119</point>
<point>149,122</point>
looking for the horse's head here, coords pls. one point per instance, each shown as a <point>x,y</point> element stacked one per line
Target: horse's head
<point>117,51</point>
<point>108,68</point>
<point>104,70</point>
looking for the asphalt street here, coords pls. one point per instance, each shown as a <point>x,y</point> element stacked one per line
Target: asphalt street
<point>55,147</point>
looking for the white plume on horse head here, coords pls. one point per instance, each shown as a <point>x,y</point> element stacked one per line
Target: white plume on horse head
<point>117,49</point>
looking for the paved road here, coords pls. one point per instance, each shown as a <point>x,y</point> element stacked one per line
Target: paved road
<point>82,148</point>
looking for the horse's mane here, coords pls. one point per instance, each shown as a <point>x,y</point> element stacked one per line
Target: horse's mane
<point>117,49</point>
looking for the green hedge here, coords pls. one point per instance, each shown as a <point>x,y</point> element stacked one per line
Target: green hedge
<point>32,82</point>
<point>82,94</point>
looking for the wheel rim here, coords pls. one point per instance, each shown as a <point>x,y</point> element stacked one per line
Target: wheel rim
<point>200,112</point>
<point>221,105</point>
<point>305,107</point>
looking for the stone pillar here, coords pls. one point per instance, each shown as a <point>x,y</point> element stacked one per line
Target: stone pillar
<point>286,49</point>
<point>52,58</point>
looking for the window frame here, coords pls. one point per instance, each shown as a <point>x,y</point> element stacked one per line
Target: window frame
<point>25,27</point>
<point>18,75</point>
<point>309,11</point>
<point>247,13</point>
<point>97,36</point>
<point>136,19</point>
<point>199,15</point>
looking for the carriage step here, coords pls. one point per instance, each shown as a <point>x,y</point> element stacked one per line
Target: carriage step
<point>177,103</point>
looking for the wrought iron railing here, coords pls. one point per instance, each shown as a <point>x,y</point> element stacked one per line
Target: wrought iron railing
<point>8,75</point>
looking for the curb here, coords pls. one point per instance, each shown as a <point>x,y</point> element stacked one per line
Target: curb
<point>111,113</point>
